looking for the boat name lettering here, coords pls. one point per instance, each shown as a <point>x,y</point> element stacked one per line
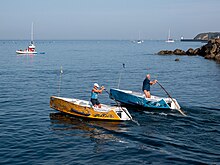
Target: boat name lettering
<point>105,115</point>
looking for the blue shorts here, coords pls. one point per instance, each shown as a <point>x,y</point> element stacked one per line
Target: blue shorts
<point>95,101</point>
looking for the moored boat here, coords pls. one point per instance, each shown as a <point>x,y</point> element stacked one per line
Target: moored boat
<point>169,39</point>
<point>82,108</point>
<point>138,99</point>
<point>31,47</point>
<point>140,41</point>
<point>29,50</point>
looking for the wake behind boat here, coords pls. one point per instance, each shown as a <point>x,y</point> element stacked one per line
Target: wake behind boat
<point>138,99</point>
<point>82,108</point>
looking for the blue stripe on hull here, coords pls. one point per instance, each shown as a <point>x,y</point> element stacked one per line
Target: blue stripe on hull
<point>130,99</point>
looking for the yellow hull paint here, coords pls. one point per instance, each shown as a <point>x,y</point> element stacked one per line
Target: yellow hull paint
<point>69,107</point>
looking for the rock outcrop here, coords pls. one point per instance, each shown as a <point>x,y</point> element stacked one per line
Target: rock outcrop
<point>211,50</point>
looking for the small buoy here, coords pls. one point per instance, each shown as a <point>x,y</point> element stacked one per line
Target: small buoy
<point>177,59</point>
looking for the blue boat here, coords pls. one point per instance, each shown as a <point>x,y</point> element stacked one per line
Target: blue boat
<point>138,99</point>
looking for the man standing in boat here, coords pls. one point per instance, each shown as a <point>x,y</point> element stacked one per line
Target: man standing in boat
<point>94,95</point>
<point>146,86</point>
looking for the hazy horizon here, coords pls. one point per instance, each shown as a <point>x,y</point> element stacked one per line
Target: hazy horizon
<point>107,20</point>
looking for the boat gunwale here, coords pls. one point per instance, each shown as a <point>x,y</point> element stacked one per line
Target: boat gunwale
<point>140,95</point>
<point>25,52</point>
<point>88,104</point>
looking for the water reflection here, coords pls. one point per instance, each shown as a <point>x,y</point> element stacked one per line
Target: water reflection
<point>27,55</point>
<point>26,58</point>
<point>99,132</point>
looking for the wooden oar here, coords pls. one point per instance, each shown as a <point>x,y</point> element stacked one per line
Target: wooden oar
<point>172,100</point>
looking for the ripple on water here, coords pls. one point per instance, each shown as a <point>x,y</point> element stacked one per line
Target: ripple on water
<point>33,133</point>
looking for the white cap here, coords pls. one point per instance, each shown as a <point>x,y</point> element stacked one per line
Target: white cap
<point>97,85</point>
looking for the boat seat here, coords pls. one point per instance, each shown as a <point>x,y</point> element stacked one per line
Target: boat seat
<point>102,109</point>
<point>82,103</point>
<point>85,104</point>
<point>74,100</point>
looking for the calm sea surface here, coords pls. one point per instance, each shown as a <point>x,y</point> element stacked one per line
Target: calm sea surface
<point>33,133</point>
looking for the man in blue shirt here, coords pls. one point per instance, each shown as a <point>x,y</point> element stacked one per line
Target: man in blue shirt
<point>94,95</point>
<point>146,86</point>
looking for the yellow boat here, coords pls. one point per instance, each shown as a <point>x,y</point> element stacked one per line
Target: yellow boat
<point>82,108</point>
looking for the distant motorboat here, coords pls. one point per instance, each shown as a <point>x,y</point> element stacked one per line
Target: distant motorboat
<point>169,39</point>
<point>29,50</point>
<point>31,47</point>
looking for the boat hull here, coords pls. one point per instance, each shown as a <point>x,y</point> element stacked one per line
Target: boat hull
<point>82,108</point>
<point>170,41</point>
<point>25,52</point>
<point>138,99</point>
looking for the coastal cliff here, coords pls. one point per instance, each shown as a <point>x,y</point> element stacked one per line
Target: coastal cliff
<point>211,50</point>
<point>207,36</point>
<point>203,37</point>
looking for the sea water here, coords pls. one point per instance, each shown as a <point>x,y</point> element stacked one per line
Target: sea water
<point>33,133</point>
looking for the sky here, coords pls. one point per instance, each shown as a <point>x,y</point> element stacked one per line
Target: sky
<point>107,19</point>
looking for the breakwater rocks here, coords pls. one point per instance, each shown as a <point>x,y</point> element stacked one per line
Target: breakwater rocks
<point>211,50</point>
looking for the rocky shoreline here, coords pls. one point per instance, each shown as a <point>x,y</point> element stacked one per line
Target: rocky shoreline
<point>211,50</point>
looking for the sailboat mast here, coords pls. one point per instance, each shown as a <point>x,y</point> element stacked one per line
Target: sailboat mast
<point>169,34</point>
<point>32,33</point>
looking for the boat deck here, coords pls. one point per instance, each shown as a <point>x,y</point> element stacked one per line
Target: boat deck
<point>141,95</point>
<point>84,103</point>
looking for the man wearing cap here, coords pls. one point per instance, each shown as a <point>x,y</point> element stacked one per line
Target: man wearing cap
<point>94,95</point>
<point>146,86</point>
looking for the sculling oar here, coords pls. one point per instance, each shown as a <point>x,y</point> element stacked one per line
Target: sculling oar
<point>172,100</point>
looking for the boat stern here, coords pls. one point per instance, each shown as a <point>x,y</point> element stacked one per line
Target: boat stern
<point>123,113</point>
<point>173,104</point>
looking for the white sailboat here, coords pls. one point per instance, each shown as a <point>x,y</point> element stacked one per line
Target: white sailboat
<point>31,47</point>
<point>169,39</point>
<point>139,41</point>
